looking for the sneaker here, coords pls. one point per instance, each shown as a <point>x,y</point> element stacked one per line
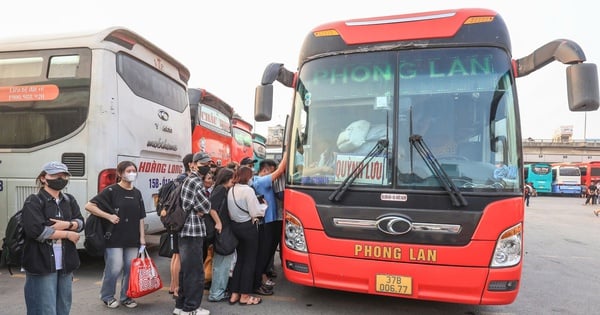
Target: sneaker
<point>112,303</point>
<point>130,303</point>
<point>177,311</point>
<point>198,311</point>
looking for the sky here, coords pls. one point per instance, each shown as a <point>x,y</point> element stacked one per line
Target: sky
<point>226,45</point>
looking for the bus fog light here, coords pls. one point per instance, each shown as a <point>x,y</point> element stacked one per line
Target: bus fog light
<point>294,234</point>
<point>503,285</point>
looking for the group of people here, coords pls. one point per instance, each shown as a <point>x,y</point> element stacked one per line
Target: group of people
<point>215,197</point>
<point>52,223</point>
<point>591,196</point>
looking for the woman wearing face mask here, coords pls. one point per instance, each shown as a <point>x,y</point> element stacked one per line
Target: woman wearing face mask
<point>120,204</point>
<point>52,222</point>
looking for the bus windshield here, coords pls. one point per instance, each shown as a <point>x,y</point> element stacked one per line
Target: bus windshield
<point>37,107</point>
<point>458,101</point>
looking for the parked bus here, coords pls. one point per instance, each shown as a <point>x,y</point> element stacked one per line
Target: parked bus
<point>540,174</point>
<point>259,146</point>
<point>403,201</point>
<point>211,125</point>
<point>241,144</point>
<point>590,172</point>
<point>90,100</point>
<point>274,153</point>
<point>566,179</point>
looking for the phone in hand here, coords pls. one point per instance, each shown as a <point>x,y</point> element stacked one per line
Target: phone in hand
<point>261,198</point>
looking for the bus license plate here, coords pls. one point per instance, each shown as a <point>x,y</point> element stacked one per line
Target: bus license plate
<point>393,284</point>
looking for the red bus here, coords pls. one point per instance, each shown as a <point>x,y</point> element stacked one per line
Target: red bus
<point>241,144</point>
<point>412,179</point>
<point>211,125</point>
<point>590,172</point>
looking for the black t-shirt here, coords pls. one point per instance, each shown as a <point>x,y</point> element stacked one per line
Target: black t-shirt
<point>129,206</point>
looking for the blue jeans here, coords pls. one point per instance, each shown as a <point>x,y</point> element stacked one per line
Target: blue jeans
<point>116,261</point>
<point>48,294</point>
<point>220,276</point>
<point>191,274</point>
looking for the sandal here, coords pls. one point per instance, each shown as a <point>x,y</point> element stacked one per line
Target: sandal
<point>233,300</point>
<point>269,283</point>
<point>252,300</point>
<point>263,291</point>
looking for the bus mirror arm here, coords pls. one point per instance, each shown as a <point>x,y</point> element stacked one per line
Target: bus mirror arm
<point>582,78</point>
<point>276,71</point>
<point>563,50</point>
<point>263,95</point>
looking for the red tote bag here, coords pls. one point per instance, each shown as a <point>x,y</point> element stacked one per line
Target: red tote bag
<point>143,277</point>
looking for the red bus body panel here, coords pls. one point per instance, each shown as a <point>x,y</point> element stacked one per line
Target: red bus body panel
<point>215,144</point>
<point>455,274</point>
<point>378,30</point>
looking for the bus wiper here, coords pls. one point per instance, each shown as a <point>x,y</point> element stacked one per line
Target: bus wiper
<point>341,189</point>
<point>434,165</point>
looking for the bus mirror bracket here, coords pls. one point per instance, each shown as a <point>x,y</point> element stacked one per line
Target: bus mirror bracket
<point>263,102</point>
<point>582,87</point>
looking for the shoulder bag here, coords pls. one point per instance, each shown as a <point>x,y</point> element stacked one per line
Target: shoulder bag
<point>225,242</point>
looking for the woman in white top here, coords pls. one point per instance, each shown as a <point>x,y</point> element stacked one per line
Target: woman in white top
<point>244,211</point>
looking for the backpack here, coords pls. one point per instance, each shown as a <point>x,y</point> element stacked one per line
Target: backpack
<point>176,216</point>
<point>163,194</point>
<point>14,240</point>
<point>96,235</point>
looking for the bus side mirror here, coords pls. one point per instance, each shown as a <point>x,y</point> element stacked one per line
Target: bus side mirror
<point>582,87</point>
<point>263,102</point>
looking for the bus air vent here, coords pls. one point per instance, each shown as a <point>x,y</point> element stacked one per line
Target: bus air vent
<point>75,162</point>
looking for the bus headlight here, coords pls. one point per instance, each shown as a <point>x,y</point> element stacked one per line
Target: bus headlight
<point>294,233</point>
<point>509,247</point>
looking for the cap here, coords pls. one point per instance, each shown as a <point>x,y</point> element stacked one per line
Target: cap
<point>55,168</point>
<point>247,160</point>
<point>201,157</point>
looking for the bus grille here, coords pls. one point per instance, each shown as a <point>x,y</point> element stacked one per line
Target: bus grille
<point>75,162</point>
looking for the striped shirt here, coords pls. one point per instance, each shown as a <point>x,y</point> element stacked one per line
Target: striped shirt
<point>193,199</point>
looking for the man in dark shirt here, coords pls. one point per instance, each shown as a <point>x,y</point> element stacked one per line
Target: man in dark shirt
<point>191,240</point>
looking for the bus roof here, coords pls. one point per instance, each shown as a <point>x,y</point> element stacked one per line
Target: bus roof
<point>124,39</point>
<point>202,96</point>
<point>415,30</point>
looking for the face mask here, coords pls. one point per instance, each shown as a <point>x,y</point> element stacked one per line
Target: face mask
<point>203,170</point>
<point>130,177</point>
<point>57,184</point>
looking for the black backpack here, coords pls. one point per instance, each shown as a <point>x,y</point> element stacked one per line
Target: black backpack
<point>97,231</point>
<point>176,216</point>
<point>163,195</point>
<point>14,240</point>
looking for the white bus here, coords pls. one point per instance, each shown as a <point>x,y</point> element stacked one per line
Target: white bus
<point>566,179</point>
<point>90,100</point>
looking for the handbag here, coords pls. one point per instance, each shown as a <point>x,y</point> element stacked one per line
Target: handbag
<point>166,245</point>
<point>225,242</point>
<point>143,276</point>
